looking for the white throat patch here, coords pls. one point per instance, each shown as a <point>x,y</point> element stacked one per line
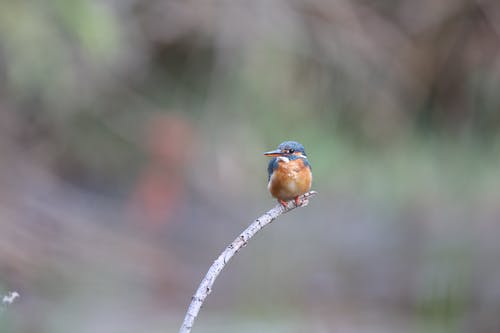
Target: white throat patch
<point>284,159</point>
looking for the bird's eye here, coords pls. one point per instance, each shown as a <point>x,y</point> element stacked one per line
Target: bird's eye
<point>291,151</point>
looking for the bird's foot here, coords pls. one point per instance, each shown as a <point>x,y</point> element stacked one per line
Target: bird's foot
<point>283,203</point>
<point>300,200</point>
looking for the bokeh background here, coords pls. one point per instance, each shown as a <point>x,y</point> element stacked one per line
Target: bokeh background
<point>131,140</point>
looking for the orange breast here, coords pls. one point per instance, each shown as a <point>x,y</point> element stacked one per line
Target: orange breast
<point>290,180</point>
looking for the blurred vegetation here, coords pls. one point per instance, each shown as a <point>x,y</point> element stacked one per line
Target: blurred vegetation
<point>117,112</point>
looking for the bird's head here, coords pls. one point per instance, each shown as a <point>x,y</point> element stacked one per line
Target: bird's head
<point>288,149</point>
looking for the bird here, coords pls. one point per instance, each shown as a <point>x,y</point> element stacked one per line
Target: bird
<point>289,172</point>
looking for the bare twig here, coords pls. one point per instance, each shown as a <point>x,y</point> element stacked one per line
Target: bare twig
<point>205,286</point>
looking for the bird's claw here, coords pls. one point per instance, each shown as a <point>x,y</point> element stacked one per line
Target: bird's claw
<point>283,203</point>
<point>298,202</point>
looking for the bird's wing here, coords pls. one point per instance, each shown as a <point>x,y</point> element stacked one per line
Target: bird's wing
<point>273,164</point>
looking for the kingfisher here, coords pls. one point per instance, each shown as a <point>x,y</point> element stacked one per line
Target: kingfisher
<point>289,172</point>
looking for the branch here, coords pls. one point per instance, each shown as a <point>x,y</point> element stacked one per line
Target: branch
<point>205,286</point>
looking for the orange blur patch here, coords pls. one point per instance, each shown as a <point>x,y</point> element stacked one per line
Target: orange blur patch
<point>161,185</point>
<point>290,180</point>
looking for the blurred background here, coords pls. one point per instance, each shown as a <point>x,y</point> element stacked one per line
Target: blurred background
<point>131,140</point>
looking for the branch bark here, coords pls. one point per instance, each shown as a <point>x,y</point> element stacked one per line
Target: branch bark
<point>206,284</point>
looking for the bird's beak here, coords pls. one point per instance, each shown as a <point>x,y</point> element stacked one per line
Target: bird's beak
<point>275,152</point>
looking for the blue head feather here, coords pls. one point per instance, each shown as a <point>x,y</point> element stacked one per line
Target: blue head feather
<point>287,145</point>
